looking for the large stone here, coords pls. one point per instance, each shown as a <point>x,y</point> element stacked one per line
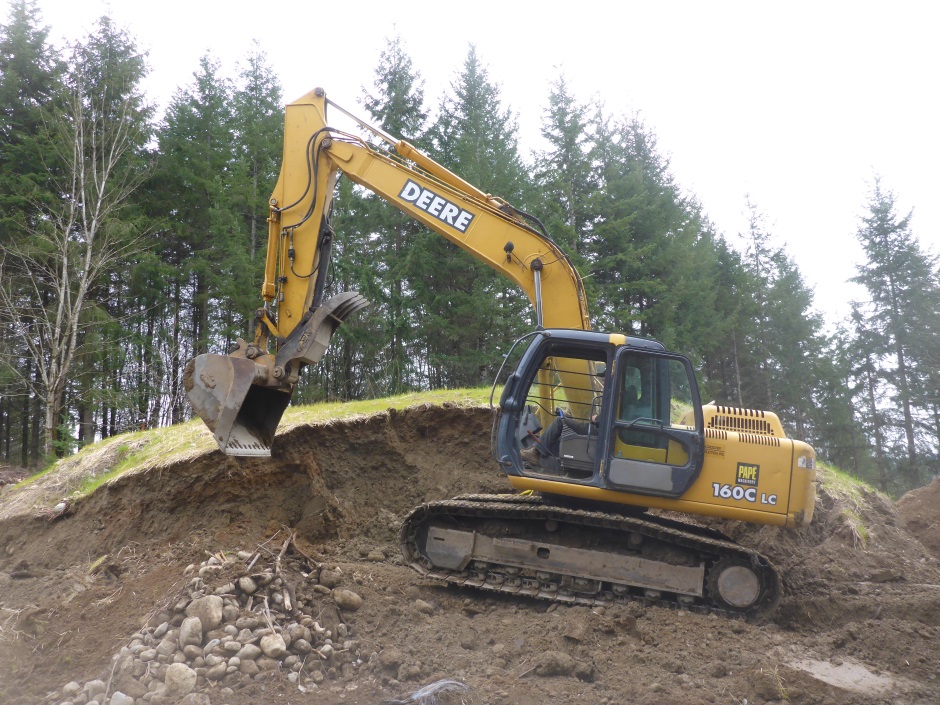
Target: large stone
<point>267,664</point>
<point>558,663</point>
<point>249,668</point>
<point>92,688</point>
<point>119,698</point>
<point>161,631</point>
<point>132,687</point>
<point>330,578</point>
<point>195,699</point>
<point>301,646</point>
<point>391,658</point>
<point>249,652</point>
<point>217,672</point>
<point>578,629</point>
<point>555,663</point>
<point>273,646</point>
<point>180,679</point>
<point>347,600</point>
<point>167,647</point>
<point>229,613</point>
<point>247,585</point>
<point>247,623</point>
<point>208,609</point>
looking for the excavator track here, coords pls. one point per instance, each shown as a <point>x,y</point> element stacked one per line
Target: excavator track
<point>523,545</point>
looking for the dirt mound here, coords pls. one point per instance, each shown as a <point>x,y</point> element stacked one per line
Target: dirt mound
<point>920,511</point>
<point>858,623</point>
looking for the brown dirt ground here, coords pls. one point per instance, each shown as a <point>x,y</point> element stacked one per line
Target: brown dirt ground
<point>920,511</point>
<point>859,622</point>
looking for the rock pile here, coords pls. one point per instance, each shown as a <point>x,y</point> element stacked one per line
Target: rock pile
<point>234,623</point>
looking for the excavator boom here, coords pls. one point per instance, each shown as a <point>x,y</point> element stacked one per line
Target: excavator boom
<point>242,403</point>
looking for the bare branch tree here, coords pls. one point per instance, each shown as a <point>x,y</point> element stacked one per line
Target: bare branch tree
<point>46,277</point>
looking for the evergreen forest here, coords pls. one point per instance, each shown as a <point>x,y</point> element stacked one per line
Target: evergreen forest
<point>131,241</point>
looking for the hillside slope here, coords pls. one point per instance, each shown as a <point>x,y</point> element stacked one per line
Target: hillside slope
<point>106,587</point>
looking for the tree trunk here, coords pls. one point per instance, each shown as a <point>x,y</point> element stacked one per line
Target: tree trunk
<point>175,358</point>
<point>34,452</point>
<point>24,432</point>
<point>86,427</point>
<point>876,427</point>
<point>906,407</point>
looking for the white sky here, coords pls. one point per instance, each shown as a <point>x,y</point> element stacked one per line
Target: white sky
<point>798,104</point>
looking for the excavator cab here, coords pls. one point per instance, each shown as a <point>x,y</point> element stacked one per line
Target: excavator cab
<point>611,412</point>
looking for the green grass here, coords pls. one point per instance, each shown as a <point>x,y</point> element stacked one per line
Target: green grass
<point>32,478</point>
<point>338,411</point>
<point>852,493</point>
<point>846,484</point>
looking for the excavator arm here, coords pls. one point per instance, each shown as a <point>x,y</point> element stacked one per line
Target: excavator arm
<point>241,396</point>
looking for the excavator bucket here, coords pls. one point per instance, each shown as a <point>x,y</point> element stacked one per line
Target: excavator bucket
<point>243,416</point>
<point>232,396</point>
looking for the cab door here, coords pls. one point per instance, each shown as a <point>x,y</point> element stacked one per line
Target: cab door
<point>656,443</point>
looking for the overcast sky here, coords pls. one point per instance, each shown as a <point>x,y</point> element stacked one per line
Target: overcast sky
<point>797,104</point>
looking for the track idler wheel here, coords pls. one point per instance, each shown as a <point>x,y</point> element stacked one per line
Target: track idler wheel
<point>735,585</point>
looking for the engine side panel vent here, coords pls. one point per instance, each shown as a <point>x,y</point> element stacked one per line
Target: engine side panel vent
<point>717,434</point>
<point>741,420</point>
<point>760,440</point>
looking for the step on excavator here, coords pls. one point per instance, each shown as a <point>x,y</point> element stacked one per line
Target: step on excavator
<point>603,435</point>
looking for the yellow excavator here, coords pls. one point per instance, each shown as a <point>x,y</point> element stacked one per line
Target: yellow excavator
<point>593,429</point>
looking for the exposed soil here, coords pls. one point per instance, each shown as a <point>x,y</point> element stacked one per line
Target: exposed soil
<point>859,622</point>
<point>920,511</point>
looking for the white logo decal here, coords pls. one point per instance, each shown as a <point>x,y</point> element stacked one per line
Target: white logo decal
<point>440,208</point>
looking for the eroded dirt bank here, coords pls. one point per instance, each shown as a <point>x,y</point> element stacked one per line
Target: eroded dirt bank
<point>859,621</point>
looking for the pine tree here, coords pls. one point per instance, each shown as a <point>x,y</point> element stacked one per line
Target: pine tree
<point>397,105</point>
<point>197,147</point>
<point>839,438</point>
<point>466,310</point>
<point>203,241</point>
<point>723,349</point>
<point>30,81</point>
<point>902,284</point>
<point>564,174</point>
<point>782,339</point>
<point>652,253</point>
<point>259,126</point>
